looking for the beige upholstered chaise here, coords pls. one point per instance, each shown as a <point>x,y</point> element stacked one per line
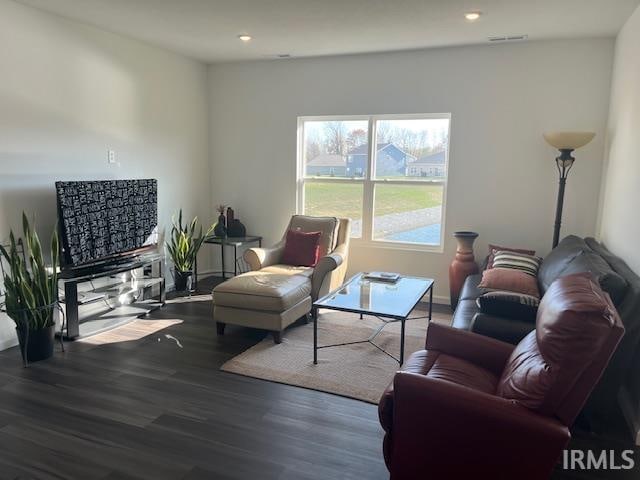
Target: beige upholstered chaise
<point>272,295</point>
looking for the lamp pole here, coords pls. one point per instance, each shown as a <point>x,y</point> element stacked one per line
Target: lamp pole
<point>564,162</point>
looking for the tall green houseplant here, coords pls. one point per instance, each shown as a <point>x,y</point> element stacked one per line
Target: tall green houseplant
<point>183,246</point>
<point>31,287</point>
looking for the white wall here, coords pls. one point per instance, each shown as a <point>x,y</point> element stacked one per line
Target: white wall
<point>619,227</point>
<point>503,180</point>
<point>69,92</point>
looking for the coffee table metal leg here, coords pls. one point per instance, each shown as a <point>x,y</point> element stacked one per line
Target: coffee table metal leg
<point>402,340</point>
<point>224,277</point>
<point>430,301</point>
<point>235,260</point>
<point>314,314</point>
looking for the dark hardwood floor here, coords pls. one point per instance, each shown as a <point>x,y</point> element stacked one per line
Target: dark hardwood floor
<point>157,407</point>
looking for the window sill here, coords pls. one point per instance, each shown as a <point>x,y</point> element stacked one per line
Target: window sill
<point>409,247</point>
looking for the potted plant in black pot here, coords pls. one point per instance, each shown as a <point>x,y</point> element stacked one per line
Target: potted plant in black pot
<point>183,247</point>
<point>31,292</point>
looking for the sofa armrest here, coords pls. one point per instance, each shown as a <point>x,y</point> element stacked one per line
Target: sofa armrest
<point>325,265</point>
<point>444,430</point>
<point>486,352</point>
<point>258,258</point>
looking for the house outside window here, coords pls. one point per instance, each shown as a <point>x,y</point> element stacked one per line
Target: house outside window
<point>394,192</point>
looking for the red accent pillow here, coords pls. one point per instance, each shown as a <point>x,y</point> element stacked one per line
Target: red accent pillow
<point>301,248</point>
<point>495,248</point>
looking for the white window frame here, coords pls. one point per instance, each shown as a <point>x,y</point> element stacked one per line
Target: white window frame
<point>369,181</point>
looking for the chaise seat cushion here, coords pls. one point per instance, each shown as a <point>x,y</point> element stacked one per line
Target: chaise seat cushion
<point>266,291</point>
<point>282,269</point>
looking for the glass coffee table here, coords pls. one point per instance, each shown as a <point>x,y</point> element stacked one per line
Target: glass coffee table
<point>389,302</point>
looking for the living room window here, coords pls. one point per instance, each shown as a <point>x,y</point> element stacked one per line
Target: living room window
<point>388,173</point>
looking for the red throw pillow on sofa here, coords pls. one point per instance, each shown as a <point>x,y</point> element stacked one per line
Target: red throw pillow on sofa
<point>301,248</point>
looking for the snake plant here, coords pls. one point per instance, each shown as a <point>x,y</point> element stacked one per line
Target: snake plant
<point>184,244</point>
<point>31,287</point>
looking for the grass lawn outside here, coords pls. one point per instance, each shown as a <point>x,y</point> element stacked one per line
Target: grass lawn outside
<point>332,199</point>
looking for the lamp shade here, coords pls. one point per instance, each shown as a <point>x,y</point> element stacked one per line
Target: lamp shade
<point>568,140</point>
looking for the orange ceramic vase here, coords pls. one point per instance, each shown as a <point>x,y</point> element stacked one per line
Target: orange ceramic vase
<point>463,265</point>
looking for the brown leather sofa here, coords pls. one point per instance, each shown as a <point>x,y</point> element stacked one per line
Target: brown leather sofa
<point>274,295</point>
<point>470,406</point>
<point>574,255</point>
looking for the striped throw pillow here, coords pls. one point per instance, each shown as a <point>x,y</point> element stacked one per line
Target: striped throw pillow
<point>528,264</point>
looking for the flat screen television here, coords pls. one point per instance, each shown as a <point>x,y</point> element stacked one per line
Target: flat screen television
<point>105,220</point>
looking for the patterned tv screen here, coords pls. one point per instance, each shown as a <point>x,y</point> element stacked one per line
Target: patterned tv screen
<point>106,218</point>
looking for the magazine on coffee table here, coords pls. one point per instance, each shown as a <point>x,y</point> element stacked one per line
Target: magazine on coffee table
<point>382,277</point>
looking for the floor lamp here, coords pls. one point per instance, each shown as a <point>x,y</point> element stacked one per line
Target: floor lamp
<point>566,142</point>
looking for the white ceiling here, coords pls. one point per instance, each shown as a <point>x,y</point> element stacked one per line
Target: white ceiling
<point>207,29</point>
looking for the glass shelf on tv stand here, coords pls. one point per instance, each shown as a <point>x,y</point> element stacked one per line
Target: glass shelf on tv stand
<point>100,298</point>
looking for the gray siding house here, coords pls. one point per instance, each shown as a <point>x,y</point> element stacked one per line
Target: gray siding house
<point>390,160</point>
<point>327,164</point>
<point>433,165</point>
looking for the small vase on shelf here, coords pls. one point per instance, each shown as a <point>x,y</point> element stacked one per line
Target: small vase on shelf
<point>463,265</point>
<point>220,230</point>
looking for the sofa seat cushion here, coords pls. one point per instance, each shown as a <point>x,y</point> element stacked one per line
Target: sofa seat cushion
<point>508,330</point>
<point>273,292</point>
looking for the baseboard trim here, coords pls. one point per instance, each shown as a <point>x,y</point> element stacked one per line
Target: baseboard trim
<point>8,343</point>
<point>630,413</point>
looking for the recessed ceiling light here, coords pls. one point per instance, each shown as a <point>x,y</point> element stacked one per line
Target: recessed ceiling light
<point>472,16</point>
<point>245,38</point>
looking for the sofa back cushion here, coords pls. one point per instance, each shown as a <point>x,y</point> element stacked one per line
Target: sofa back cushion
<point>558,259</point>
<point>575,320</point>
<point>609,281</point>
<point>327,226</point>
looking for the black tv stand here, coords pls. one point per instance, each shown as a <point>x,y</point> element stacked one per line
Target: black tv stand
<point>120,296</point>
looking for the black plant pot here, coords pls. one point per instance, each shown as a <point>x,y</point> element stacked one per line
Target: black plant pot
<point>182,280</point>
<point>36,345</point>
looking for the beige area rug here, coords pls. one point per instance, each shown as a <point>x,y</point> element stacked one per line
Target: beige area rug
<point>357,371</point>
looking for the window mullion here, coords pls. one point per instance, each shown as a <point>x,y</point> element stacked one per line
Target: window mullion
<point>368,193</point>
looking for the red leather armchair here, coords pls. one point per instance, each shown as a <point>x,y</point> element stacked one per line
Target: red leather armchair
<point>469,406</point>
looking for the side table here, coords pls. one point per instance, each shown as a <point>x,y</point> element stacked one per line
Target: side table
<point>234,242</point>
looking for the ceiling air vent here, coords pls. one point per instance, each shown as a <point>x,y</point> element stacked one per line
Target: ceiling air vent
<point>508,38</point>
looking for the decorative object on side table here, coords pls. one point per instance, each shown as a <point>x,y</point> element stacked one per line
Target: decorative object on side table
<point>235,228</point>
<point>31,297</point>
<point>220,230</point>
<point>463,265</point>
<point>566,142</point>
<point>183,248</point>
